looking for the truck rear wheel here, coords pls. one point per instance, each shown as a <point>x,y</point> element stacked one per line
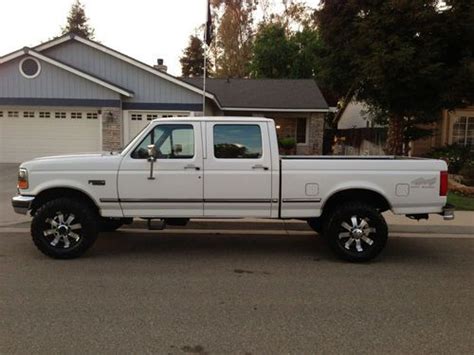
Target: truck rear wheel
<point>356,232</point>
<point>64,228</point>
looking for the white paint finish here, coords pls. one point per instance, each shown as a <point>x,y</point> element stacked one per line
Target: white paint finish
<point>380,176</point>
<point>172,181</point>
<point>75,171</point>
<point>26,138</point>
<point>231,179</point>
<point>230,187</point>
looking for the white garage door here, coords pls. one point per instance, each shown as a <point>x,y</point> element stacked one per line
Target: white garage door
<point>30,133</point>
<point>139,119</point>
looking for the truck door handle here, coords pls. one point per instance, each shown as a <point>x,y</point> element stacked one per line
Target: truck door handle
<point>260,166</point>
<point>191,166</point>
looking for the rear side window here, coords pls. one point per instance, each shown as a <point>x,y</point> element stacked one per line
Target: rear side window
<point>237,141</point>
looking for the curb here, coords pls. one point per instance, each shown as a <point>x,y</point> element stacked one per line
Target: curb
<point>278,225</point>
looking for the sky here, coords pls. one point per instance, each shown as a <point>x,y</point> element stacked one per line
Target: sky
<point>143,29</point>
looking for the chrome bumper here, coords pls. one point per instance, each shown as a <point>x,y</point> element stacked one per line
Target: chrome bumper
<point>448,212</point>
<point>22,204</point>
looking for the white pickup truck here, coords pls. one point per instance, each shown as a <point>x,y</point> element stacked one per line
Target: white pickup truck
<point>223,167</point>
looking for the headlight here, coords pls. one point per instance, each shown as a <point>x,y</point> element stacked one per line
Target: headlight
<point>22,179</point>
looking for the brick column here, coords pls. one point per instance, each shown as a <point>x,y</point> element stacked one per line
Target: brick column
<point>111,128</point>
<point>316,133</point>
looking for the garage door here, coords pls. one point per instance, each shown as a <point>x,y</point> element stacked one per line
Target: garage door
<point>31,133</point>
<point>138,120</point>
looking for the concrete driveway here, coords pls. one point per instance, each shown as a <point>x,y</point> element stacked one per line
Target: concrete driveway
<point>8,177</point>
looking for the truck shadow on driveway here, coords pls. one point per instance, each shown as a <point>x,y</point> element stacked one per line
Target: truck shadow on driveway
<point>313,247</point>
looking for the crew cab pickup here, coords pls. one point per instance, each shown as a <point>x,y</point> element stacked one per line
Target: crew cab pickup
<point>223,167</point>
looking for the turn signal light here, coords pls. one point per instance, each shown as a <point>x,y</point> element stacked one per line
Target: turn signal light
<point>443,183</point>
<point>22,179</point>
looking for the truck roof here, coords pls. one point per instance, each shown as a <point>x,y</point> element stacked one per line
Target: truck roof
<point>215,118</point>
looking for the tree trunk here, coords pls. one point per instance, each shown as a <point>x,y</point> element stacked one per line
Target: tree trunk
<point>395,136</point>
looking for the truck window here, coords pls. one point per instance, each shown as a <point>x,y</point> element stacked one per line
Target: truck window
<point>237,141</point>
<point>172,141</point>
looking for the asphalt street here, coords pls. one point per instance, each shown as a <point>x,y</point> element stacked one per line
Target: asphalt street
<point>173,293</point>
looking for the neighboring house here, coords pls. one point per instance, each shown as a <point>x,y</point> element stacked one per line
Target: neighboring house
<point>73,95</point>
<point>453,127</point>
<point>357,133</point>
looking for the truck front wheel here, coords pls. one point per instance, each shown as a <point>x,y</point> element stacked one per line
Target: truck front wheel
<point>356,232</point>
<point>64,228</point>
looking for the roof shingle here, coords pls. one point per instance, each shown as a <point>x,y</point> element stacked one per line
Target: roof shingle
<point>265,93</point>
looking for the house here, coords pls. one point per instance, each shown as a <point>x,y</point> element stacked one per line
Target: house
<point>296,105</point>
<point>453,127</point>
<point>73,95</point>
<point>358,134</point>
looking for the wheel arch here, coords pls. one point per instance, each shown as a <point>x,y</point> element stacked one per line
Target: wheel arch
<point>372,197</point>
<point>57,192</point>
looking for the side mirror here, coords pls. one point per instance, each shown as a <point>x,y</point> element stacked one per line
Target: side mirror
<point>151,152</point>
<point>151,158</point>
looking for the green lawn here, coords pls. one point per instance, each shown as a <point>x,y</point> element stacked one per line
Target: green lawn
<point>461,202</point>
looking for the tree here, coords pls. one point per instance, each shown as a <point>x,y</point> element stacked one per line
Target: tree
<point>234,37</point>
<point>77,22</point>
<point>272,52</point>
<point>278,53</point>
<point>192,61</point>
<point>399,57</point>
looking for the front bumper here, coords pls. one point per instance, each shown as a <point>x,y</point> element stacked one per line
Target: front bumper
<point>22,204</point>
<point>448,212</point>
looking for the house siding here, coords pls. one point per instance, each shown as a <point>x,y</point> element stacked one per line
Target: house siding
<point>51,83</point>
<point>148,88</point>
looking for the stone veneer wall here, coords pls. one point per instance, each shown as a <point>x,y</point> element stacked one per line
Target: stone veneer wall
<point>111,128</point>
<point>315,128</point>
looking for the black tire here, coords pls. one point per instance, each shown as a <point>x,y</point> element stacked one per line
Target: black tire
<point>356,240</point>
<point>64,228</point>
<point>316,224</point>
<point>109,224</point>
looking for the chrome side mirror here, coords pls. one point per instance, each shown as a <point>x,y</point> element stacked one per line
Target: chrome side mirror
<point>151,152</point>
<point>151,158</point>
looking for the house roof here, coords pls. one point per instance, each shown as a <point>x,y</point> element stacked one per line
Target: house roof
<point>265,94</point>
<point>66,67</point>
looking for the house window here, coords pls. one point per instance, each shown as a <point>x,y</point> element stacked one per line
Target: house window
<point>13,114</point>
<point>30,68</point>
<point>92,115</point>
<point>60,114</point>
<point>44,114</point>
<point>76,115</point>
<point>301,130</point>
<point>463,131</point>
<point>1,113</point>
<point>151,117</point>
<point>28,114</point>
<point>136,117</point>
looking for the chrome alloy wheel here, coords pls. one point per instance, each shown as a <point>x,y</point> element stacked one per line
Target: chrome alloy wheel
<point>63,230</point>
<point>356,234</point>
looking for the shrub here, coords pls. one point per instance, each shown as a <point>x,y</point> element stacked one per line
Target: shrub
<point>287,143</point>
<point>456,156</point>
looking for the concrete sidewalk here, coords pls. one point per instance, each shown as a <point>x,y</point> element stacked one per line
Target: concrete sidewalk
<point>463,224</point>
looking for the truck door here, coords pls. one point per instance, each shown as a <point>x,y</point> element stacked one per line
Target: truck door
<point>237,168</point>
<point>177,187</point>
